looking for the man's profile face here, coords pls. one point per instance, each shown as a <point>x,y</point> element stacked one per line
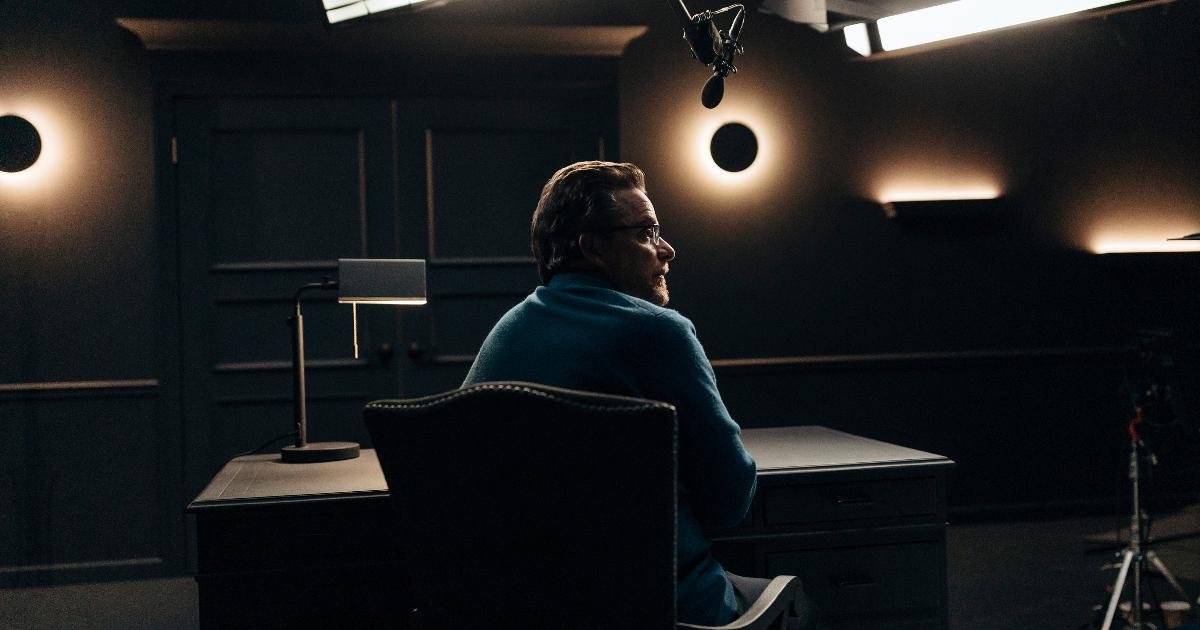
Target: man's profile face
<point>632,261</point>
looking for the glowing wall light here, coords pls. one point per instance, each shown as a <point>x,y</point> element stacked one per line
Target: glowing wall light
<point>734,147</point>
<point>937,193</point>
<point>1144,228</point>
<point>1137,242</point>
<point>20,144</point>
<point>966,17</point>
<point>710,128</point>
<point>51,159</point>
<point>678,152</point>
<point>1128,244</point>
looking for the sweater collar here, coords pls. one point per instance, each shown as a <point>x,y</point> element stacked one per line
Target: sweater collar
<point>576,279</point>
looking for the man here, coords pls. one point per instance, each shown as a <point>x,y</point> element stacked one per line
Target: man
<point>599,324</point>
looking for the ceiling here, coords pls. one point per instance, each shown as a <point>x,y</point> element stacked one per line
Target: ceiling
<point>622,12</point>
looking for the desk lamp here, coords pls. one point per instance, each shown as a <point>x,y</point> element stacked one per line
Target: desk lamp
<point>360,281</point>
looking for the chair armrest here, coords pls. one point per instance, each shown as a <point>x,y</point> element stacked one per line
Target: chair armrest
<point>774,602</point>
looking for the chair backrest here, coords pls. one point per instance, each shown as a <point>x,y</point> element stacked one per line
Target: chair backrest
<point>528,506</point>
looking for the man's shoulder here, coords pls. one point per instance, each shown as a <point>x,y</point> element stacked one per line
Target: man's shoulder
<point>638,312</point>
<point>592,293</point>
<point>661,315</point>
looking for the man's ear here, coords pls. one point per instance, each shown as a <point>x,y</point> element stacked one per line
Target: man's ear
<point>592,253</point>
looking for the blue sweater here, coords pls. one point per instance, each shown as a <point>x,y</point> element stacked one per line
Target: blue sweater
<point>581,333</point>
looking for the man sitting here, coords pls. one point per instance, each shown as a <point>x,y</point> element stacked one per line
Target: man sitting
<point>599,324</point>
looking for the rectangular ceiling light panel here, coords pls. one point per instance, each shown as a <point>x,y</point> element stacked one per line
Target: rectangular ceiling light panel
<point>966,17</point>
<point>342,10</point>
<point>858,39</point>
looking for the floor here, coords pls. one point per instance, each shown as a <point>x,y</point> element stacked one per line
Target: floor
<point>1031,575</point>
<point>1050,575</point>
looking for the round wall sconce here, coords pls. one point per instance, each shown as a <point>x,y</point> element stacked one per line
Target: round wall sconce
<point>734,147</point>
<point>20,144</point>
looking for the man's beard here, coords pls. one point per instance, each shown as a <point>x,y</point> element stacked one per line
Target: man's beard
<point>658,292</point>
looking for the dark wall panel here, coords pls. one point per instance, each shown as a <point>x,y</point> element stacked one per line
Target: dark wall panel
<point>1022,430</point>
<point>484,184</point>
<point>81,487</point>
<point>277,192</point>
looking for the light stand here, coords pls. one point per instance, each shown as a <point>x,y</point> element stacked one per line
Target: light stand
<point>361,281</point>
<point>1136,554</point>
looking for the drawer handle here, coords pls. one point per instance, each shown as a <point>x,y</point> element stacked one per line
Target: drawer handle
<point>855,582</point>
<point>853,500</point>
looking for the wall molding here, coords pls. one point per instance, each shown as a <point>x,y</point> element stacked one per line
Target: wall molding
<point>75,385</point>
<point>287,365</point>
<point>916,359</point>
<point>121,388</point>
<point>75,566</point>
<point>58,573</point>
<point>884,361</point>
<point>383,37</point>
<point>484,261</point>
<point>272,266</point>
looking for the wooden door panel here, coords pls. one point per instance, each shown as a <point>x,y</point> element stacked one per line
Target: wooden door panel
<point>272,193</point>
<point>287,194</point>
<point>462,322</point>
<point>475,168</point>
<point>485,184</point>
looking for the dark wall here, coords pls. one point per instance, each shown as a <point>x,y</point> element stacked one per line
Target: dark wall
<point>1089,129</point>
<point>81,220</point>
<point>82,443</point>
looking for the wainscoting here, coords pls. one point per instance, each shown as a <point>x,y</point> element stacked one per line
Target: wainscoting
<point>84,492</point>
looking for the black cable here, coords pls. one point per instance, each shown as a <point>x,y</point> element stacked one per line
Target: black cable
<point>272,441</point>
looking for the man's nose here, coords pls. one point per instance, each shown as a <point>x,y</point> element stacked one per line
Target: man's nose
<point>665,251</point>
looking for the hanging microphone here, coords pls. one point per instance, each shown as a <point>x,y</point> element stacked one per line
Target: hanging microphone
<point>711,46</point>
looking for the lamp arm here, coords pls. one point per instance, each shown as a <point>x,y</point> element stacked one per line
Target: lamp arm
<point>296,321</point>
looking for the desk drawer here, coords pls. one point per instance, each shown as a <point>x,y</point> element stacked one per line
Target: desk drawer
<point>287,538</point>
<point>878,581</point>
<point>812,503</point>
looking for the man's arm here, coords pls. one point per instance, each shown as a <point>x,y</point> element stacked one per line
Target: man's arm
<point>714,467</point>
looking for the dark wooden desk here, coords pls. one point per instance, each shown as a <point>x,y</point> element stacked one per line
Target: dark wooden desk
<point>861,522</point>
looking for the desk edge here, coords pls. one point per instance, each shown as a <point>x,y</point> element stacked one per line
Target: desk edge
<point>216,505</point>
<point>937,462</point>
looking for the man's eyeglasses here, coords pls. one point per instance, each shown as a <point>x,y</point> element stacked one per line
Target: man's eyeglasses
<point>651,231</point>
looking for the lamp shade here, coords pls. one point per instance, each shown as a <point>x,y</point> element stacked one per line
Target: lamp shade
<point>381,281</point>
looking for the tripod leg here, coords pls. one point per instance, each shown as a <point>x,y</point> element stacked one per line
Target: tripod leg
<point>1162,568</point>
<point>1117,587</point>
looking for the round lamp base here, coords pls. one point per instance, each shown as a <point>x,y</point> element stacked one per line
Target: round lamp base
<point>319,452</point>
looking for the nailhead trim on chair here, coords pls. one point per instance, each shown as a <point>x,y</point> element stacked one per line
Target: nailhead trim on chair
<point>445,398</point>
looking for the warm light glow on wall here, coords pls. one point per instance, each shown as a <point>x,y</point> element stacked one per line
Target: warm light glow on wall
<point>1144,232</point>
<point>1157,243</point>
<point>666,130</point>
<point>1133,204</point>
<point>47,172</point>
<point>933,163</point>
<point>705,124</point>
